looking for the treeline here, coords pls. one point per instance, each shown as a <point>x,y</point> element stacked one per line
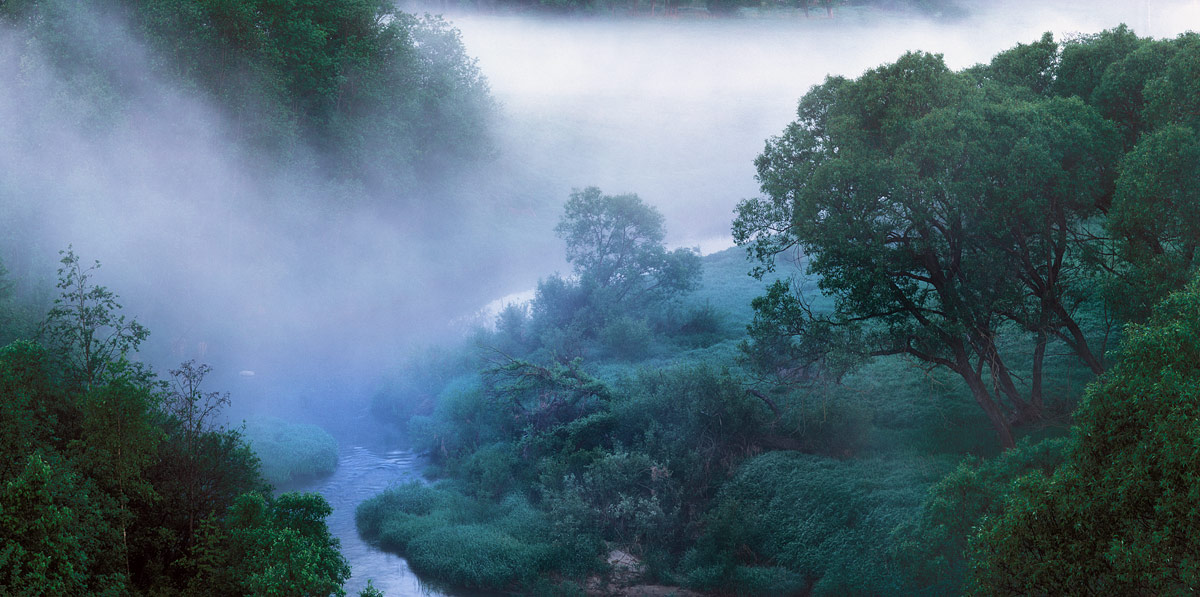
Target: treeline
<point>974,244</point>
<point>356,87</point>
<point>693,8</point>
<point>116,481</point>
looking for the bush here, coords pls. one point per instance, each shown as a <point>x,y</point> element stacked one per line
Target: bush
<point>461,540</point>
<point>291,451</point>
<point>931,548</point>
<point>476,556</point>
<point>821,519</point>
<point>626,338</point>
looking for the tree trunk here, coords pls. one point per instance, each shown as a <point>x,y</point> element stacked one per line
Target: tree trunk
<point>989,406</point>
<point>1078,341</point>
<point>1035,384</point>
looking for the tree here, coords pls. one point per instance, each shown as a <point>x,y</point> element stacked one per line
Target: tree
<point>283,547</point>
<point>7,315</point>
<point>1118,517</point>
<point>40,552</point>
<point>85,325</point>
<point>615,243</point>
<point>117,447</point>
<point>1153,219</point>
<point>937,209</point>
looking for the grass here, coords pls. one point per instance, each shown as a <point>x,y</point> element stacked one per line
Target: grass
<point>291,451</point>
<point>466,542</point>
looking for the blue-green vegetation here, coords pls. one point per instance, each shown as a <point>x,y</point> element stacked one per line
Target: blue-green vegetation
<point>117,481</point>
<point>290,451</point>
<point>466,541</point>
<point>886,407</point>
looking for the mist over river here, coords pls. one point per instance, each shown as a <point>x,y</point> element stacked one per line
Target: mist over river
<point>676,111</point>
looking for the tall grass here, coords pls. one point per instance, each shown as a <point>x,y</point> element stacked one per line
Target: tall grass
<point>291,451</point>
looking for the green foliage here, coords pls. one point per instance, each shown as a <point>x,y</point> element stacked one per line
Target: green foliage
<point>370,590</point>
<point>1085,60</point>
<point>290,451</point>
<point>1118,516</point>
<point>282,546</point>
<point>378,95</point>
<point>123,483</point>
<point>626,338</point>
<point>40,553</point>
<point>1031,66</point>
<point>795,523</point>
<point>919,197</point>
<point>932,548</point>
<point>1154,219</point>
<point>86,325</point>
<point>458,539</point>
<point>615,244</point>
<point>32,407</point>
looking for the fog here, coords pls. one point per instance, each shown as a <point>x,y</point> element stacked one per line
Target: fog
<point>301,294</point>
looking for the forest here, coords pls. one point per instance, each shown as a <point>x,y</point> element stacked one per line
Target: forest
<point>955,348</point>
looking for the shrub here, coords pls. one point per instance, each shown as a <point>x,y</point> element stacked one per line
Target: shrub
<point>626,338</point>
<point>821,519</point>
<point>291,451</point>
<point>462,540</point>
<point>476,556</point>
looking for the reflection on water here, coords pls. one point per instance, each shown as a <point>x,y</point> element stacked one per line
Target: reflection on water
<point>363,472</point>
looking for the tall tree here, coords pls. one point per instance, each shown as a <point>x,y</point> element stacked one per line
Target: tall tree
<point>936,208</point>
<point>86,325</point>
<point>615,243</point>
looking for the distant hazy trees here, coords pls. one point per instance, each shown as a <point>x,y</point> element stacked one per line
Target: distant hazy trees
<point>376,94</point>
<point>623,271</point>
<point>615,243</point>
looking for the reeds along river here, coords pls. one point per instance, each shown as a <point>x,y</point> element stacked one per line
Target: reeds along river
<point>362,473</point>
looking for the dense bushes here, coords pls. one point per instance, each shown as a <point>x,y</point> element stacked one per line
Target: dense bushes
<point>291,451</point>
<point>791,523</point>
<point>113,481</point>
<point>468,542</point>
<point>1118,516</point>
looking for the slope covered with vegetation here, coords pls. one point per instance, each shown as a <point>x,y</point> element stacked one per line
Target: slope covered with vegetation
<point>354,88</point>
<point>118,481</point>
<point>946,258</point>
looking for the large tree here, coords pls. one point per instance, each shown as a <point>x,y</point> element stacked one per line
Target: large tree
<point>938,209</point>
<point>615,243</point>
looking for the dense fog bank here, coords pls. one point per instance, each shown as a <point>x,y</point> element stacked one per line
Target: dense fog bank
<point>314,283</point>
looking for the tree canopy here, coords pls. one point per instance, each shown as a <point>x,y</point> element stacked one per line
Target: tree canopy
<point>942,210</point>
<point>1118,517</point>
<point>115,482</point>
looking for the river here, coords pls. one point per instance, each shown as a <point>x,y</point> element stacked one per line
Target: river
<point>362,473</point>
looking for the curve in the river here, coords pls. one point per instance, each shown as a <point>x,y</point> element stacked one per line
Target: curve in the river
<point>363,472</point>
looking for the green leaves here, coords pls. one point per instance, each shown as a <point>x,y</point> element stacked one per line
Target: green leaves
<point>86,325</point>
<point>937,209</point>
<point>40,553</point>
<point>615,243</point>
<point>1119,516</point>
<point>285,547</point>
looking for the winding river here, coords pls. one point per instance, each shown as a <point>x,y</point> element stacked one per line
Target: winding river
<point>362,473</point>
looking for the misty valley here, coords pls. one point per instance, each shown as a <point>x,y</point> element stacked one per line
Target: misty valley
<point>599,297</point>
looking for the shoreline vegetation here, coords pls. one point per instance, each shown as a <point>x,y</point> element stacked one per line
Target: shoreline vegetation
<point>887,418</point>
<point>965,360</point>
